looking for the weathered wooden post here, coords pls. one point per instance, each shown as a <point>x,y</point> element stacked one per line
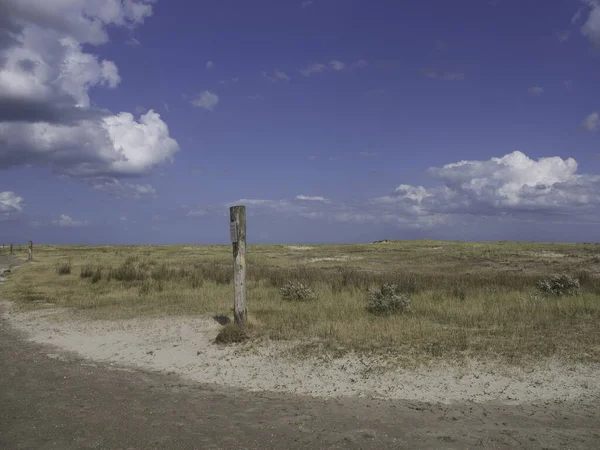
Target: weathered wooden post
<point>30,258</point>
<point>11,250</point>
<point>237,232</point>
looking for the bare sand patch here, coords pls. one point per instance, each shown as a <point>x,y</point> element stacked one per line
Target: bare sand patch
<point>184,345</point>
<point>335,258</point>
<point>546,254</point>
<point>299,247</point>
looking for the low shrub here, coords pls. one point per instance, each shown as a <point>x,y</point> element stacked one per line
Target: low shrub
<point>388,300</point>
<point>231,334</point>
<point>559,285</point>
<point>295,291</point>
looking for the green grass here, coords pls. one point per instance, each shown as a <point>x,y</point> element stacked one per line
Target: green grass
<point>467,299</point>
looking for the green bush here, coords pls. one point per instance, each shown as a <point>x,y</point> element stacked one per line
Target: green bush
<point>295,291</point>
<point>231,334</point>
<point>559,285</point>
<point>388,300</point>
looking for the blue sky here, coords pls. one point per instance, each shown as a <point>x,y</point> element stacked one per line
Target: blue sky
<point>136,121</point>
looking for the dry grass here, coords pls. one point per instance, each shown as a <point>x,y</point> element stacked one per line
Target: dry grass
<point>467,299</point>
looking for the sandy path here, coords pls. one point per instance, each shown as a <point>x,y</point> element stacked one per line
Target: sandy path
<point>184,345</point>
<point>50,399</point>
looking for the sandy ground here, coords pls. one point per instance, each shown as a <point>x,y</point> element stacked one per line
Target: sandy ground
<point>184,346</point>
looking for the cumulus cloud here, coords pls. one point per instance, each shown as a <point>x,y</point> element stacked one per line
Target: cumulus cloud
<point>313,68</point>
<point>312,199</point>
<point>207,100</point>
<point>115,187</point>
<point>10,203</point>
<point>116,145</point>
<point>360,64</point>
<point>337,65</point>
<point>334,64</point>
<point>512,186</point>
<point>536,90</point>
<point>590,123</point>
<point>67,222</point>
<point>591,27</point>
<point>277,75</point>
<point>47,71</point>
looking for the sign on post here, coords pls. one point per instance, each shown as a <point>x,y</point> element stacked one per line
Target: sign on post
<point>233,234</point>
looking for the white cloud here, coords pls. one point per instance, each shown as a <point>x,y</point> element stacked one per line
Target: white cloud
<point>123,218</point>
<point>312,199</point>
<point>46,117</point>
<point>591,122</point>
<point>276,76</point>
<point>337,65</point>
<point>360,64</point>
<point>10,202</point>
<point>116,145</point>
<point>536,90</point>
<point>306,3</point>
<point>197,213</point>
<point>142,189</point>
<point>210,65</point>
<point>83,20</point>
<point>563,36</point>
<point>133,41</point>
<point>313,68</point>
<point>233,80</point>
<point>591,27</point>
<point>207,100</point>
<point>513,186</point>
<point>123,190</point>
<point>443,75</point>
<point>66,222</point>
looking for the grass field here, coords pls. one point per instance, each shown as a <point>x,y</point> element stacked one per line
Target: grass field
<point>477,300</point>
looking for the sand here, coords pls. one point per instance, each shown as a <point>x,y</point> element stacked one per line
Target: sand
<point>184,346</point>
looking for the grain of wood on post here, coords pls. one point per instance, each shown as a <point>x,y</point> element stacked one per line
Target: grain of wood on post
<point>238,238</point>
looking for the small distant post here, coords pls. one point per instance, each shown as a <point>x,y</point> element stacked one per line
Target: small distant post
<point>237,232</point>
<point>11,250</point>
<point>30,258</point>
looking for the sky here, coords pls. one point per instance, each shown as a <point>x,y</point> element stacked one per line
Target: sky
<point>332,121</point>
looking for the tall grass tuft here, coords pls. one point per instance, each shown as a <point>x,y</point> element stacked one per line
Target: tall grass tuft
<point>64,268</point>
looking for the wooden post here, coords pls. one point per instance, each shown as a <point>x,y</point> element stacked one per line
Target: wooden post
<point>30,258</point>
<point>11,250</point>
<point>237,232</point>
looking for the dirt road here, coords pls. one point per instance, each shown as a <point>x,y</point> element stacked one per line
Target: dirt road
<point>54,400</point>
